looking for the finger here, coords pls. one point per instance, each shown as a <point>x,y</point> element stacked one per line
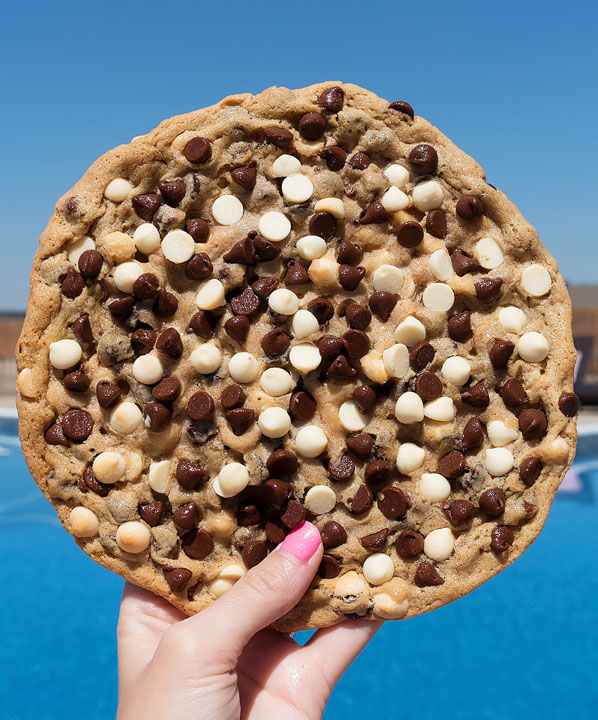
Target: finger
<point>142,621</point>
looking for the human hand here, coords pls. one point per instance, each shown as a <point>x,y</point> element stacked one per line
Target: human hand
<point>221,664</point>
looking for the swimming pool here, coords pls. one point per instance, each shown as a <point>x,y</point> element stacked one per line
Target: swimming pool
<point>524,645</point>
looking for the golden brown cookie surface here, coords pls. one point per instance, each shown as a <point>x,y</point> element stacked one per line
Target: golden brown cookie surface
<point>297,304</point>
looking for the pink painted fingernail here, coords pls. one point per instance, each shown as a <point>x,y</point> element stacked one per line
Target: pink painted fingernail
<point>302,542</point>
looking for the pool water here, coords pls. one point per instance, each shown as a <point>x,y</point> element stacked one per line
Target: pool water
<point>524,645</point>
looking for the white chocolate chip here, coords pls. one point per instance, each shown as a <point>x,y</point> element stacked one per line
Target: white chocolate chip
<point>274,422</point>
<point>297,188</point>
<point>211,295</point>
<point>304,324</point>
<point>109,467</point>
<point>232,572</point>
<point>320,499</point>
<point>65,354</point>
<point>439,544</point>
<point>488,253</point>
<point>227,577</point>
<point>206,359</point>
<point>533,347</point>
<point>232,479</point>
<point>283,301</point>
<point>397,175</point>
<point>243,367</point>
<point>438,296</point>
<point>133,537</point>
<point>350,585</point>
<point>117,190</point>
<point>148,370</point>
<point>146,238</point>
<point>84,522</point>
<point>536,280</point>
<point>125,418</point>
<point>26,383</point>
<point>427,195</point>
<point>501,434</point>
<point>559,450</point>
<point>311,247</point>
<point>274,226</point>
<point>410,458</point>
<point>75,249</point>
<point>434,487</point>
<point>499,461</point>
<point>351,417</point>
<point>305,357</point>
<point>456,370</point>
<point>409,408</point>
<point>387,608</point>
<point>440,264</point>
<point>410,331</point>
<point>394,199</point>
<point>134,466</point>
<point>396,360</point>
<point>512,319</point>
<point>442,409</point>
<point>178,246</point>
<point>388,278</point>
<point>331,205</point>
<point>378,569</point>
<point>324,271</point>
<point>125,275</point>
<point>227,209</point>
<point>310,441</point>
<point>158,475</point>
<point>276,382</point>
<point>285,165</point>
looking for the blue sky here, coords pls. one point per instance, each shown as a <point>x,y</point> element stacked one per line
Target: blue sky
<point>512,83</point>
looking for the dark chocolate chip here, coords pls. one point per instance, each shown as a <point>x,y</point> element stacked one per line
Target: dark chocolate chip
<point>242,252</point>
<point>423,159</point>
<point>532,424</point>
<point>382,304</point>
<point>360,161</point>
<point>275,342</point>
<point>264,287</point>
<point>569,404</point>
<point>275,531</point>
<point>323,225</point>
<point>233,396</point>
<point>248,514</point>
<point>73,284</point>
<point>334,157</point>
<point>167,390</point>
<point>186,516</point>
<point>281,462</point>
<point>146,286</point>
<point>488,289</point>
<point>77,424</point>
<point>333,534</point>
<point>198,267</point>
<point>237,327</point>
<point>374,213</point>
<point>240,419</point>
<point>143,341</point>
<point>264,249</point>
<point>198,229</point>
<point>342,470</point>
<point>340,369</point>
<point>90,482</point>
<point>296,274</point>
<point>197,543</point>
<point>200,406</point>
<point>501,538</point>
<point>151,512</point>
<point>254,552</point>
<point>281,137</point>
<point>410,234</point>
<point>90,264</point>
<point>428,386</point>
<point>329,567</point>
<point>392,502</point>
<point>157,416</point>
<point>409,544</point>
<point>357,343</point>
<point>247,303</point>
<point>463,263</point>
<point>530,469</point>
<point>312,126</point>
<point>358,316</point>
<point>190,474</point>
<point>349,253</point>
<point>350,277</point>
<point>146,205</point>
<point>82,329</point>
<point>375,540</point>
<point>203,323</point>
<point>76,381</point>
<point>245,176</point>
<point>376,471</point>
<point>360,445</point>
<point>473,434</point>
<point>293,515</point>
<point>177,578</point>
<point>436,223</point>
<point>198,150</point>
<point>476,396</point>
<point>365,396</point>
<point>402,106</point>
<point>276,492</point>
<point>427,575</point>
<point>500,352</point>
<point>332,99</point>
<point>421,355</point>
<point>122,307</point>
<point>321,308</point>
<point>166,304</point>
<point>170,343</point>
<point>361,501</point>
<point>173,191</point>
<point>330,346</point>
<point>458,511</point>
<point>492,502</point>
<point>459,326</point>
<point>54,435</point>
<point>302,406</point>
<point>452,464</point>
<point>469,208</point>
<point>107,393</point>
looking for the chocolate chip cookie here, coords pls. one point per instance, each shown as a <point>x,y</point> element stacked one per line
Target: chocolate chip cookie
<point>299,304</point>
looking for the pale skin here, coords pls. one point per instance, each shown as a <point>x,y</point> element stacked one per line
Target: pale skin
<point>222,663</point>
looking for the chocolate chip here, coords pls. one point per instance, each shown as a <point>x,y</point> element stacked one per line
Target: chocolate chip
<point>501,538</point>
<point>476,396</point>
<point>170,343</point>
<point>296,274</point>
<point>233,396</point>
<point>463,263</point>
<point>90,264</point>
<point>198,229</point>
<point>392,502</point>
<point>167,390</point>
<point>240,419</point>
<point>177,578</point>
<point>200,406</point>
<point>302,406</point>
<point>375,540</point>
<point>569,404</point>
<point>264,249</point>
<point>264,287</point>
<point>427,575</point>
<point>54,435</point>
<point>365,397</point>
<point>203,323</point>
<point>323,225</point>
<point>90,482</point>
<point>73,284</point>
<point>402,106</point>
<point>376,471</point>
<point>500,352</point>
<point>312,126</point>
<point>276,492</point>
<point>186,516</point>
<point>82,329</point>
<point>254,552</point>
<point>458,511</point>
<point>333,534</point>
<point>157,416</point>
<point>281,462</point>
<point>530,469</point>
<point>173,191</point>
<point>245,176</point>
<point>121,308</point>
<point>76,381</point>
<point>146,286</point>
<point>357,343</point>
<point>242,253</point>
<point>237,327</point>
<point>358,316</point>
<point>532,424</point>
<point>197,543</point>
<point>151,512</point>
<point>247,303</point>
<point>410,234</point>
<point>332,99</point>
<point>329,567</point>
<point>322,309</point>
<point>409,544</point>
<point>473,435</point>
<point>77,424</point>
<point>436,223</point>
<point>330,346</point>
<point>423,159</point>
<point>360,161</point>
<point>275,531</point>
<point>492,502</point>
<point>459,326</point>
<point>281,137</point>
<point>146,205</point>
<point>198,150</point>
<point>198,267</point>
<point>107,393</point>
<point>189,474</point>
<point>421,355</point>
<point>166,304</point>
<point>340,369</point>
<point>334,156</point>
<point>349,253</point>
<point>248,514</point>
<point>350,277</point>
<point>275,342</point>
<point>469,208</point>
<point>488,289</point>
<point>361,501</point>
<point>293,515</point>
<point>428,386</point>
<point>452,464</point>
<point>374,213</point>
<point>382,304</point>
<point>143,341</point>
<point>360,445</point>
<point>342,470</point>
